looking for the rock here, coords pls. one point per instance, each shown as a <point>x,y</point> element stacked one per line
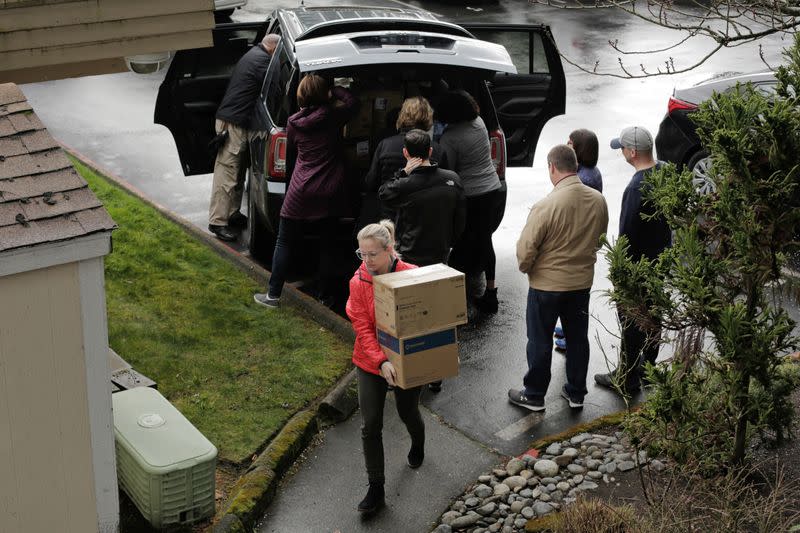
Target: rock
<point>465,521</point>
<point>593,464</point>
<point>624,466</point>
<point>482,491</point>
<point>577,479</point>
<point>515,466</point>
<point>508,529</point>
<point>623,457</point>
<point>501,489</point>
<point>657,465</point>
<point>484,478</point>
<point>563,486</point>
<point>551,487</point>
<point>545,497</point>
<point>487,509</point>
<point>515,482</point>
<point>576,469</point>
<point>449,516</point>
<point>499,472</point>
<point>594,474</point>
<point>577,439</point>
<point>556,496</point>
<point>526,493</point>
<point>517,506</point>
<point>611,468</point>
<point>642,456</point>
<point>545,467</point>
<point>527,474</point>
<point>529,459</point>
<point>570,452</point>
<point>519,523</point>
<point>597,454</point>
<point>548,480</point>
<point>472,502</point>
<point>553,449</point>
<point>542,508</point>
<point>562,460</point>
<point>494,528</point>
<point>528,513</point>
<point>537,493</point>
<point>443,528</point>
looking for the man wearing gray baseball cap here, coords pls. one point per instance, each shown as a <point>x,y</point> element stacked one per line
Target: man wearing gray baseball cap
<point>648,237</point>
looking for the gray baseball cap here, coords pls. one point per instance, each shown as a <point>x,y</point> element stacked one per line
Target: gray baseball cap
<point>635,137</point>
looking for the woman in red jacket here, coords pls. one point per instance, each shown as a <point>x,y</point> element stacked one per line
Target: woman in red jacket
<point>375,373</point>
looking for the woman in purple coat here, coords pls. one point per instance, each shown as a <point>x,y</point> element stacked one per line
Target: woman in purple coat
<point>319,192</point>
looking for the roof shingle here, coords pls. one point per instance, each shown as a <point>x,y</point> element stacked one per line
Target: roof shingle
<point>42,197</point>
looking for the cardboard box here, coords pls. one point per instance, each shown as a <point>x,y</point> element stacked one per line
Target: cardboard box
<point>420,300</point>
<point>376,104</point>
<point>422,359</point>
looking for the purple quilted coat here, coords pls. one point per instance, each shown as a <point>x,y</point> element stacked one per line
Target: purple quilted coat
<point>318,187</point>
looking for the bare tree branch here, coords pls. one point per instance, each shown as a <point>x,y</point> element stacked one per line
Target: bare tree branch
<point>729,23</point>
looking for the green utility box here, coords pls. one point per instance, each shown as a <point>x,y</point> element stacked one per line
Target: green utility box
<point>164,464</point>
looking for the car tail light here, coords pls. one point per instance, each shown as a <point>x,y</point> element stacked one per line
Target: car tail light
<point>498,144</point>
<point>675,104</point>
<point>276,155</point>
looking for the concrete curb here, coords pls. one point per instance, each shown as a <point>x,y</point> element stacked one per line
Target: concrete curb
<point>256,489</point>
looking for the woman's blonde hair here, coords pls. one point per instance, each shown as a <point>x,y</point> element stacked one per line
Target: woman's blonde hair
<point>416,113</point>
<point>383,232</point>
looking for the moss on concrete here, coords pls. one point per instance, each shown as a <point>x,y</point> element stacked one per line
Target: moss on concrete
<point>613,419</point>
<point>284,449</point>
<point>251,495</point>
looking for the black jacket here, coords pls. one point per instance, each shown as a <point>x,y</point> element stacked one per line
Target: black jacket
<point>239,102</point>
<point>648,237</point>
<point>388,159</point>
<point>431,212</point>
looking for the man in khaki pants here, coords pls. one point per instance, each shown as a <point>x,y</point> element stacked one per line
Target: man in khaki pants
<point>234,115</point>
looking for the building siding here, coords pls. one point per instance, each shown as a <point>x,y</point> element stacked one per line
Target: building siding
<point>35,35</point>
<point>46,464</point>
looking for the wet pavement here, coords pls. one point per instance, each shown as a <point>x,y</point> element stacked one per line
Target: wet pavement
<point>109,119</point>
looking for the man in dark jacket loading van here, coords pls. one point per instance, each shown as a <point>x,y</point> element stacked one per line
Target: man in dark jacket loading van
<point>429,202</point>
<point>234,115</point>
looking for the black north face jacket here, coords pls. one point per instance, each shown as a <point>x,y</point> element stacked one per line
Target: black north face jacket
<point>239,101</point>
<point>431,212</point>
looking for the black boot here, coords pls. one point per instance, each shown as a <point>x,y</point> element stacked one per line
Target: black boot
<point>488,302</point>
<point>373,500</point>
<point>416,456</point>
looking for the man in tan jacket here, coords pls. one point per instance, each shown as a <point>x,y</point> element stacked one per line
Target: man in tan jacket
<point>557,250</point>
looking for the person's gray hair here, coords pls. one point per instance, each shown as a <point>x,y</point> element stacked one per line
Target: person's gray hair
<point>563,158</point>
<point>383,232</point>
<point>270,41</point>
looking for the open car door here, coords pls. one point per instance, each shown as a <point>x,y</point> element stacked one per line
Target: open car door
<point>527,100</point>
<point>193,89</point>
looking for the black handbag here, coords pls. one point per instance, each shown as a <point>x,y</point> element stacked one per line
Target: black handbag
<point>218,141</point>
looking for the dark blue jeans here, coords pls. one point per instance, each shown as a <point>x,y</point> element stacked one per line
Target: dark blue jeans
<point>544,308</point>
<point>291,235</point>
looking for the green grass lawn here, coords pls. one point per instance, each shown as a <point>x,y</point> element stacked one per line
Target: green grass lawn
<point>185,317</point>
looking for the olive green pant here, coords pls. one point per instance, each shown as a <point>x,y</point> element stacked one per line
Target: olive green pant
<point>371,399</point>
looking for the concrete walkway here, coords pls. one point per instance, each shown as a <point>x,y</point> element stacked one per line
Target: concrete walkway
<point>322,496</point>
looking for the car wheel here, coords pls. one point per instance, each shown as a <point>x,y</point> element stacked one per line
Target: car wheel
<point>260,241</point>
<point>700,165</point>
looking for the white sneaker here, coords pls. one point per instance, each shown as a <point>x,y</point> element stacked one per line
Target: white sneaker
<point>267,301</point>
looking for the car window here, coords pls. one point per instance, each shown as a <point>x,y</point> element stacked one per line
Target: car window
<point>279,78</point>
<point>525,48</point>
